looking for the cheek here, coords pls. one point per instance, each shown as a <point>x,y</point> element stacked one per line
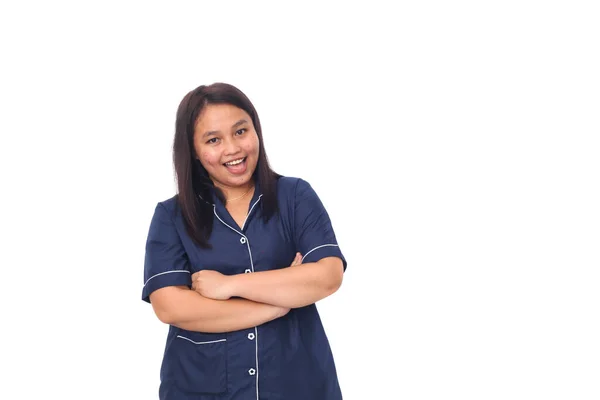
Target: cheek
<point>251,147</point>
<point>248,148</point>
<point>209,159</point>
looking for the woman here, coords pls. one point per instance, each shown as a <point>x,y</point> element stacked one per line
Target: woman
<point>236,262</point>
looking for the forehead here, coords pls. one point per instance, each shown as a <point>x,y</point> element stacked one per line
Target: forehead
<point>219,116</point>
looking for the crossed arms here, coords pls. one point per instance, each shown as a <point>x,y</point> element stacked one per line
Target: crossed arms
<point>221,303</point>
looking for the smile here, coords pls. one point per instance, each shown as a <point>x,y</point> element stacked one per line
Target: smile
<point>235,162</point>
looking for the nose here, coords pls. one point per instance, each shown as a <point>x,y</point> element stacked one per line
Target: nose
<point>231,147</point>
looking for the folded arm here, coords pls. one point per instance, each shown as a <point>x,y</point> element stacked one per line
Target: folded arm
<point>291,287</point>
<point>187,309</point>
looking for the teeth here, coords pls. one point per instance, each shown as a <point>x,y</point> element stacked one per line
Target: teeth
<point>236,162</point>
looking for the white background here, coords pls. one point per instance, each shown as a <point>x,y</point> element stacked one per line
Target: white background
<point>455,145</point>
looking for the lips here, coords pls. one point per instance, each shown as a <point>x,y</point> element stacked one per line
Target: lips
<point>236,167</point>
<point>234,162</point>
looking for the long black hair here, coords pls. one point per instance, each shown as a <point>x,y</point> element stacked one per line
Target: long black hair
<point>193,182</point>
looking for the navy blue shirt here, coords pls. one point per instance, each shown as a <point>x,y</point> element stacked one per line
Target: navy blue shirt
<point>288,358</point>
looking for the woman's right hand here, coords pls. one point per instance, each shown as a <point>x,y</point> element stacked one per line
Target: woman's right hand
<point>297,260</point>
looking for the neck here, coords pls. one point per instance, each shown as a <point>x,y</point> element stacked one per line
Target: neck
<point>236,193</point>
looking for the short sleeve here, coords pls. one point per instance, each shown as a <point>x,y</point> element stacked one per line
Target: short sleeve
<point>166,262</point>
<point>314,235</point>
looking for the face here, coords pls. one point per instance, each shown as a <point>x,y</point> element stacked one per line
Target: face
<point>227,145</point>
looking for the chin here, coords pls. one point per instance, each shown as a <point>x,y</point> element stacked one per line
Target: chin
<point>240,181</point>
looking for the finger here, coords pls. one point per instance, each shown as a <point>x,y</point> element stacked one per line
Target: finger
<point>297,260</point>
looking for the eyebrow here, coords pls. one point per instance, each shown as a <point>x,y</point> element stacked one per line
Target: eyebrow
<point>240,122</point>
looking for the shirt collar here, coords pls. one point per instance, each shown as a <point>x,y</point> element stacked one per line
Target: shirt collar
<point>214,201</point>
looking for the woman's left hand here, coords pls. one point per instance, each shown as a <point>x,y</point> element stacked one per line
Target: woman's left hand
<point>211,284</point>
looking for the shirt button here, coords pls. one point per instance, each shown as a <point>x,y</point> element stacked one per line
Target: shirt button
<point>252,371</point>
<point>243,240</point>
<point>251,336</point>
<point>247,271</point>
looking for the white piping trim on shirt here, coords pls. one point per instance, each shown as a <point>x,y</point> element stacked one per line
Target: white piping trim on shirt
<point>252,266</point>
<point>212,341</point>
<point>162,273</point>
<point>255,328</point>
<point>249,212</point>
<point>318,247</point>
<point>224,223</point>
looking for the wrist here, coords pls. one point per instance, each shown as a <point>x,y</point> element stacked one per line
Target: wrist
<point>233,285</point>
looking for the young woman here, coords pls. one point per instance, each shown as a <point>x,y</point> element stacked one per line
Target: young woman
<point>235,263</point>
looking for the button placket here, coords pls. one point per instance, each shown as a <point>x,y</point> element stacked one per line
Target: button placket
<point>243,240</point>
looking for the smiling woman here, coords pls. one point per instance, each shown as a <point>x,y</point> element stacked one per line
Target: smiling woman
<point>219,144</point>
<point>228,152</point>
<point>235,263</point>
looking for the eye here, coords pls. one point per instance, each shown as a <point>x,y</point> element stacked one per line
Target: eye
<point>240,131</point>
<point>212,140</point>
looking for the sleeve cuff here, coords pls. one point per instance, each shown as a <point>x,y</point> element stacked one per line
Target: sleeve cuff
<point>320,252</point>
<point>163,279</point>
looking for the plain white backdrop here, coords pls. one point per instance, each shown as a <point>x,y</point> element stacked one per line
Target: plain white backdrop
<point>454,144</point>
